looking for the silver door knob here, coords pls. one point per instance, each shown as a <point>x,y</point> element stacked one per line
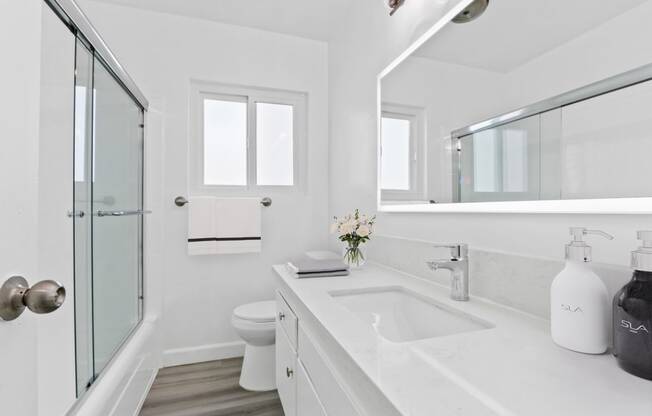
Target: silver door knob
<point>44,297</point>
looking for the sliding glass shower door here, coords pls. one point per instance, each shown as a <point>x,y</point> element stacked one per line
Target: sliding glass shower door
<point>117,201</point>
<point>108,215</point>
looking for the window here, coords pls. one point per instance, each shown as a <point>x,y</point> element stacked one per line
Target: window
<point>274,144</point>
<point>225,142</point>
<point>402,148</point>
<point>246,138</point>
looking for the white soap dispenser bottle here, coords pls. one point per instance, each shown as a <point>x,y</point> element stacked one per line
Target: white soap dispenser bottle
<point>579,301</point>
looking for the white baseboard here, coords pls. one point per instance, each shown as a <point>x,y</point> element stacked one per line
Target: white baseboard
<point>211,352</point>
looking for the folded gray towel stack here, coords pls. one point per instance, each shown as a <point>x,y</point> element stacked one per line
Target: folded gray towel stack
<point>305,266</point>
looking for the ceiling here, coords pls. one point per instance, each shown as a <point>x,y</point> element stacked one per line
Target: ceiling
<point>512,32</point>
<point>305,18</point>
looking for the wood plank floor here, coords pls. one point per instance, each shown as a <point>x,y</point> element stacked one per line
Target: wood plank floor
<point>207,389</point>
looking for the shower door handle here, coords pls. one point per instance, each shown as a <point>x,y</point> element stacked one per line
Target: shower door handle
<point>122,213</point>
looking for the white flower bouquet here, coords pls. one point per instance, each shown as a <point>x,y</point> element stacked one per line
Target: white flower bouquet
<point>354,229</point>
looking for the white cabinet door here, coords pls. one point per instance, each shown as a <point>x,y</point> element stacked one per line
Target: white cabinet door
<point>308,403</point>
<point>286,360</point>
<point>332,395</point>
<point>36,80</point>
<point>286,318</point>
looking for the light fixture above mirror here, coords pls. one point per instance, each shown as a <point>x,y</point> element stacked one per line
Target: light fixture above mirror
<point>394,5</point>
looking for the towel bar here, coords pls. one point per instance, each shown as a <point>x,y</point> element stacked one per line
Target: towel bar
<point>181,201</point>
<point>122,213</point>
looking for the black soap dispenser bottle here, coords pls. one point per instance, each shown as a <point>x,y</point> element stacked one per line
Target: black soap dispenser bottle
<point>632,314</point>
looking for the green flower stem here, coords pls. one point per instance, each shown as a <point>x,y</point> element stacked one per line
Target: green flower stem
<point>353,254</point>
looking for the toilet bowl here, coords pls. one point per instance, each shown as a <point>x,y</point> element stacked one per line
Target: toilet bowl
<point>256,325</point>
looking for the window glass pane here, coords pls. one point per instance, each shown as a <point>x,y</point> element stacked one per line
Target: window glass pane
<point>225,142</point>
<point>395,157</point>
<point>274,144</point>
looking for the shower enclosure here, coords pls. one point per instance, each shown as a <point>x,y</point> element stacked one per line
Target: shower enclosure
<point>108,212</point>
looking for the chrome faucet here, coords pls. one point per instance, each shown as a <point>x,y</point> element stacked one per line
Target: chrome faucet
<point>458,265</point>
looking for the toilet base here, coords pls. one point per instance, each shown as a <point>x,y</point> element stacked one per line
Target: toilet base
<point>258,368</point>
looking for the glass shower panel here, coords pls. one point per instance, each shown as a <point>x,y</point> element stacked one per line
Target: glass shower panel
<point>117,222</point>
<point>82,168</point>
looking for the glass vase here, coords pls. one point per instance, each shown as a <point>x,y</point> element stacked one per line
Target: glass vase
<point>354,255</point>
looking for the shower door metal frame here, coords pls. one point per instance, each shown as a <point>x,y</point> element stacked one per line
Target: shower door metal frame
<point>77,21</point>
<point>595,89</point>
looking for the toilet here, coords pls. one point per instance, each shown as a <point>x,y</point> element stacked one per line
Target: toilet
<point>256,325</point>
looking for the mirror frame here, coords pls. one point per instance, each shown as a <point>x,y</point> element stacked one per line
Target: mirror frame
<point>642,205</point>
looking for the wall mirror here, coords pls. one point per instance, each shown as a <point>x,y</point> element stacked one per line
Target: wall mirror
<point>522,106</point>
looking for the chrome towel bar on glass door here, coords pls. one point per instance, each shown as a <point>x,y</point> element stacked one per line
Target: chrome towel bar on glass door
<point>122,213</point>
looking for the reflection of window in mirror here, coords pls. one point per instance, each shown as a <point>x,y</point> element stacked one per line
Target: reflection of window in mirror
<point>402,147</point>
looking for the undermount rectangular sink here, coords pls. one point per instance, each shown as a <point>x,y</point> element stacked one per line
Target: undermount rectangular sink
<point>401,315</point>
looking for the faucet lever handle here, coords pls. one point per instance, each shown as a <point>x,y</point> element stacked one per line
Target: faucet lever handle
<point>458,251</point>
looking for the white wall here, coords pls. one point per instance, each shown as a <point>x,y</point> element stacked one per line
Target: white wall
<point>163,53</point>
<point>616,46</point>
<point>369,40</point>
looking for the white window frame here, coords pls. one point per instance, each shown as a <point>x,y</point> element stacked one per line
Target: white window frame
<point>416,117</point>
<point>200,91</point>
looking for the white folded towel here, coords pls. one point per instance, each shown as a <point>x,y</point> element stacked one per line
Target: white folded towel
<point>224,225</point>
<point>306,266</point>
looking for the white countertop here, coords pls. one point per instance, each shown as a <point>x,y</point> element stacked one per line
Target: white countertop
<point>511,369</point>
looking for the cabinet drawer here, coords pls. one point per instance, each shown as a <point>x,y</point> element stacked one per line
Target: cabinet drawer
<point>286,360</point>
<point>308,403</point>
<point>331,394</point>
<point>286,319</point>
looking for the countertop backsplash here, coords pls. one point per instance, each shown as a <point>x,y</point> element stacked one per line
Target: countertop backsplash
<point>516,281</point>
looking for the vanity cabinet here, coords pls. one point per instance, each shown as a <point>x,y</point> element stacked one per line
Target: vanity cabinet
<point>305,383</point>
<point>287,320</point>
<point>307,400</point>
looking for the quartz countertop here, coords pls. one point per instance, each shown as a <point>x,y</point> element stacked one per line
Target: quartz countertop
<point>513,368</point>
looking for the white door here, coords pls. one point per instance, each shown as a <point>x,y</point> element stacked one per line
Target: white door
<point>36,127</point>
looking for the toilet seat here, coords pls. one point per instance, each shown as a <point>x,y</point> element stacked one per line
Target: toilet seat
<point>258,312</point>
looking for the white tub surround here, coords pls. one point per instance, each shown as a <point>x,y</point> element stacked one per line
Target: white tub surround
<point>122,387</point>
<point>513,368</point>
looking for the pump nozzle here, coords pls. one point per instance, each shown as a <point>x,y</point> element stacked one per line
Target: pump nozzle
<point>578,249</point>
<point>642,258</point>
<point>579,232</point>
<point>645,237</point>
